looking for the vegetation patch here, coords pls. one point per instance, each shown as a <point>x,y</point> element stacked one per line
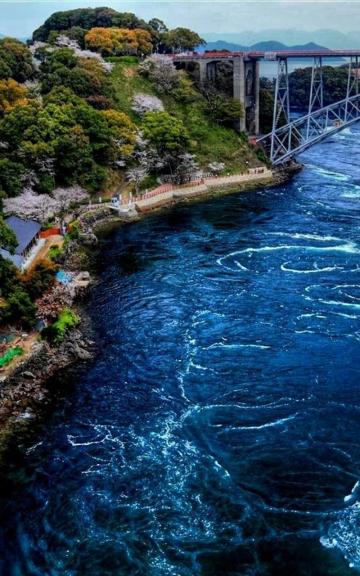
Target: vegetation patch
<point>10,355</point>
<point>55,333</point>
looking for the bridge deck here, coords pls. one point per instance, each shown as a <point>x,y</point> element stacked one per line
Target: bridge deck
<point>266,55</point>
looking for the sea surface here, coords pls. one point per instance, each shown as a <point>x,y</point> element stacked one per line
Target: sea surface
<point>217,432</point>
<point>269,69</point>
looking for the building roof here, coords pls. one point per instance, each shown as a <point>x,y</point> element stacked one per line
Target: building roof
<point>25,231</point>
<point>14,258</point>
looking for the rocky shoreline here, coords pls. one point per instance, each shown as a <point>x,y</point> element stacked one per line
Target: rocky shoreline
<point>28,390</point>
<point>25,393</point>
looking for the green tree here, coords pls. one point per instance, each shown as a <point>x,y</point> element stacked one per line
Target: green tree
<point>181,40</point>
<point>15,123</point>
<point>85,77</point>
<point>15,60</point>
<point>7,237</point>
<point>222,108</point>
<point>96,128</point>
<point>127,20</point>
<point>20,308</point>
<point>40,279</point>
<point>11,174</point>
<point>167,133</point>
<point>73,156</point>
<point>158,25</point>
<point>157,29</point>
<point>334,79</point>
<point>8,277</point>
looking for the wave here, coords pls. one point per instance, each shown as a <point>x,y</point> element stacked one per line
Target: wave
<point>234,261</point>
<point>344,534</point>
<point>314,270</point>
<point>278,422</point>
<point>305,236</point>
<point>339,176</point>
<point>235,346</point>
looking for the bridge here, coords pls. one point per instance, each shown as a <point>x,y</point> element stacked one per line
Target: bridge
<point>288,137</point>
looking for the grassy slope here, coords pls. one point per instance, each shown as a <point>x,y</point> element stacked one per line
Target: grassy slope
<point>210,142</point>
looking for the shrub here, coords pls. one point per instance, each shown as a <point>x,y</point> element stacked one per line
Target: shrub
<point>10,354</point>
<point>55,333</point>
<point>55,252</point>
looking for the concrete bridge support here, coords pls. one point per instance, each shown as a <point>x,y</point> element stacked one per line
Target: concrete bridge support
<point>245,84</point>
<point>203,72</point>
<point>247,89</point>
<point>239,88</point>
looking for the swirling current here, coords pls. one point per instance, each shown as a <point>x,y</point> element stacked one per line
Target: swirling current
<point>217,432</point>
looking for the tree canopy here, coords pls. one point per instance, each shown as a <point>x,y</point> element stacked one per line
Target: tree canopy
<point>12,94</point>
<point>7,237</point>
<point>15,60</point>
<point>165,132</point>
<point>119,41</point>
<point>181,40</point>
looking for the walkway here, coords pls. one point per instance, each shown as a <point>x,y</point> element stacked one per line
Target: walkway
<point>167,193</point>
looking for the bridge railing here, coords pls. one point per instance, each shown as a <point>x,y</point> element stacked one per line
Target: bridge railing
<point>295,137</point>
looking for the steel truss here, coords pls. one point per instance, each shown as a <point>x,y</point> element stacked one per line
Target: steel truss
<point>320,122</point>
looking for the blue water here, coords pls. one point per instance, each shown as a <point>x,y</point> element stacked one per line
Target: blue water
<point>218,430</point>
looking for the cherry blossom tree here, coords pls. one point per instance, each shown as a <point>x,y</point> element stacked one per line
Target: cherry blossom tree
<point>143,103</point>
<point>186,168</point>
<point>42,207</point>
<point>162,71</point>
<point>216,167</point>
<point>137,175</point>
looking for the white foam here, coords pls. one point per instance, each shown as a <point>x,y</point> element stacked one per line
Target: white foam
<point>330,174</point>
<point>339,303</point>
<point>347,247</point>
<point>305,236</point>
<point>351,495</point>
<point>272,424</point>
<point>328,543</point>
<point>312,315</point>
<point>344,534</point>
<point>310,271</point>
<point>235,346</point>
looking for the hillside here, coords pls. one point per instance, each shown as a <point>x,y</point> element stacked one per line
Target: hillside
<point>209,141</point>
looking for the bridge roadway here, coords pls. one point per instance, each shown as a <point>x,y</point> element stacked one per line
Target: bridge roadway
<point>264,55</point>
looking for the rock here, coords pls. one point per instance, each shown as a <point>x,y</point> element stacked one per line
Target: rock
<point>28,375</point>
<point>84,354</point>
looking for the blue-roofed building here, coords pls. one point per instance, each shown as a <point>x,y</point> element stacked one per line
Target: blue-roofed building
<point>27,233</point>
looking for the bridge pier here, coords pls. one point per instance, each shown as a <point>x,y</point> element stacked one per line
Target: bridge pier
<point>246,88</point>
<point>203,72</point>
<point>246,84</point>
<point>239,88</point>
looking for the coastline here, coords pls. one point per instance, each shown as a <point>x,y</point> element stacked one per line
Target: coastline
<point>27,390</point>
<point>194,195</point>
